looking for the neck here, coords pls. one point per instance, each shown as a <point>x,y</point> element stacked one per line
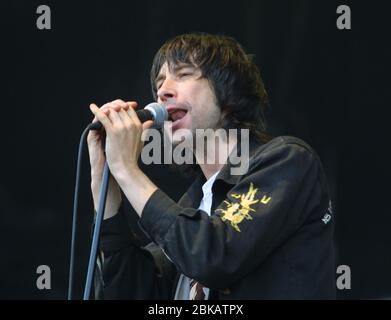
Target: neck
<point>210,169</point>
<point>214,155</point>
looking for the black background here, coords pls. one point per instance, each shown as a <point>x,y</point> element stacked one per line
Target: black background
<point>327,86</point>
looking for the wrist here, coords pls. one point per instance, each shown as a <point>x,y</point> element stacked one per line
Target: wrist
<point>137,188</point>
<point>96,183</point>
<point>127,174</point>
<point>96,174</point>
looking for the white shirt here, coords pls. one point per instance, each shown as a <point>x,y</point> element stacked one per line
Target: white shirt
<point>183,287</point>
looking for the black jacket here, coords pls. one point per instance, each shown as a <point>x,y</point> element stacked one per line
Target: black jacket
<point>269,236</point>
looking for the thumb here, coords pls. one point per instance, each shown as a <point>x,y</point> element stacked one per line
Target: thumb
<point>147,124</point>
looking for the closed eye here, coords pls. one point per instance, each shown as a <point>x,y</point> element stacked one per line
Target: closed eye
<point>179,75</point>
<point>184,74</point>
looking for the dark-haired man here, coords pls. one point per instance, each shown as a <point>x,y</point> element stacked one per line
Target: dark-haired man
<point>258,234</point>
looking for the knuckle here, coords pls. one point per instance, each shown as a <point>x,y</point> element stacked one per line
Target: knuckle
<point>119,102</point>
<point>105,109</point>
<point>132,103</point>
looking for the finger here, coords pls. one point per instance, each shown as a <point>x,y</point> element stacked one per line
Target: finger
<point>115,118</point>
<point>147,124</point>
<point>119,104</point>
<point>108,106</point>
<point>125,117</point>
<point>132,104</point>
<point>101,116</point>
<point>95,133</point>
<point>111,106</point>
<point>133,116</point>
<point>95,118</point>
<point>105,109</point>
<point>119,101</point>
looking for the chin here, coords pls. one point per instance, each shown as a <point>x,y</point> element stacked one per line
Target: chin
<point>183,136</point>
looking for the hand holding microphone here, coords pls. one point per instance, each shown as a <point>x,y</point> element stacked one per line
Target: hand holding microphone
<point>123,128</point>
<point>153,111</point>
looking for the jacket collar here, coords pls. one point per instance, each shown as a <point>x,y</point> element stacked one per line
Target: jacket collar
<point>225,173</point>
<point>193,195</point>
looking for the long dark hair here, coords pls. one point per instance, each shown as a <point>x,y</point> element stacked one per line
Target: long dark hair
<point>234,77</point>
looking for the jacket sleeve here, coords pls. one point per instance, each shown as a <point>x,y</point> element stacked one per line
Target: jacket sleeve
<point>265,207</point>
<point>127,270</point>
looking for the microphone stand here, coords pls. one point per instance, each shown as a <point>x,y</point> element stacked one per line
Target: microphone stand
<point>95,238</point>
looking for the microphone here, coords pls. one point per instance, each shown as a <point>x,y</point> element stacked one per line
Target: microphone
<point>153,111</point>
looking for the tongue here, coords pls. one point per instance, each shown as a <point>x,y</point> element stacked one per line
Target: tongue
<point>178,115</point>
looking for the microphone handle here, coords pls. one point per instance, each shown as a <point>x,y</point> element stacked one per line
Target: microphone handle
<point>143,115</point>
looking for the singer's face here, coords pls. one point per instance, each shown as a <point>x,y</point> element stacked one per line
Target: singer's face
<point>189,99</point>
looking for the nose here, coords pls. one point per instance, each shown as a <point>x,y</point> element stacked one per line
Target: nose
<point>167,90</point>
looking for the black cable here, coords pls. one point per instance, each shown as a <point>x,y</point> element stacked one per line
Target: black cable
<point>95,238</point>
<point>75,210</point>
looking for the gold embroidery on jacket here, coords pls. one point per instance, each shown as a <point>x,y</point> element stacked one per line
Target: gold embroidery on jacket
<point>237,211</point>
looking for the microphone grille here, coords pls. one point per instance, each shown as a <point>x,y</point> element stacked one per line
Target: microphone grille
<point>159,113</point>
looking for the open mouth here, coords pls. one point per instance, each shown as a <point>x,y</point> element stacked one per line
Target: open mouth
<point>176,114</point>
